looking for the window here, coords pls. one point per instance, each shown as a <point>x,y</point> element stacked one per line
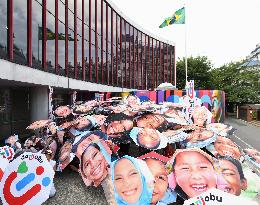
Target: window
<point>3,29</point>
<point>20,32</point>
<point>79,39</point>
<point>86,39</point>
<point>61,41</point>
<point>37,34</point>
<point>71,38</point>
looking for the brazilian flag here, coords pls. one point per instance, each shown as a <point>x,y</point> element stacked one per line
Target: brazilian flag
<point>177,18</point>
<point>51,35</point>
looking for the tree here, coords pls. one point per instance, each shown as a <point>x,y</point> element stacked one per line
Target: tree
<point>241,84</point>
<point>198,70</point>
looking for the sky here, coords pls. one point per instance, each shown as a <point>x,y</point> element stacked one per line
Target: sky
<point>223,30</point>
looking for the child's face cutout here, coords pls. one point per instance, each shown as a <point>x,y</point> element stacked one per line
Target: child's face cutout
<point>194,173</point>
<point>200,135</point>
<point>94,165</point>
<point>150,121</point>
<point>199,116</point>
<point>127,181</point>
<point>158,170</point>
<point>149,138</point>
<point>225,147</point>
<point>232,177</point>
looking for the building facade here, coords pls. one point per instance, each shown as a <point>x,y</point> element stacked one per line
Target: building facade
<point>86,40</point>
<point>83,45</point>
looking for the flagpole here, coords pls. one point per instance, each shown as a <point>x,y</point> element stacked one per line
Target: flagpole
<point>179,18</point>
<point>186,63</point>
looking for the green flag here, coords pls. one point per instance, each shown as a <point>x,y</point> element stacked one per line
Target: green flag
<point>177,18</point>
<point>62,37</point>
<point>51,35</point>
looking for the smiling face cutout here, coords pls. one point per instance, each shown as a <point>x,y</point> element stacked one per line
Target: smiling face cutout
<point>194,173</point>
<point>225,147</point>
<point>94,165</point>
<point>127,181</point>
<point>159,172</point>
<point>148,138</point>
<point>152,121</point>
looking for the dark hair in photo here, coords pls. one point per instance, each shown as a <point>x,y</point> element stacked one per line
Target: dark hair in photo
<point>236,163</point>
<point>93,145</point>
<point>161,128</point>
<point>174,162</point>
<point>100,134</point>
<point>88,127</point>
<point>116,117</point>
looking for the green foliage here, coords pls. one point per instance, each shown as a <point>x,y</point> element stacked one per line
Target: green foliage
<point>241,84</point>
<point>254,114</point>
<point>198,70</point>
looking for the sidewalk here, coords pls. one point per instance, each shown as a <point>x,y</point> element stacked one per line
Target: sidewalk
<point>247,134</point>
<point>254,122</point>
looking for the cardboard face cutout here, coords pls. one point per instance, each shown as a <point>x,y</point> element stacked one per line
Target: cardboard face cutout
<point>221,129</point>
<point>94,163</point>
<point>148,138</point>
<point>193,171</point>
<point>200,138</point>
<point>161,192</point>
<point>118,127</point>
<point>175,136</point>
<point>133,181</point>
<point>65,155</point>
<point>62,111</point>
<point>226,147</point>
<point>83,140</point>
<point>201,116</point>
<point>232,172</point>
<point>253,156</point>
<point>175,116</point>
<point>152,121</point>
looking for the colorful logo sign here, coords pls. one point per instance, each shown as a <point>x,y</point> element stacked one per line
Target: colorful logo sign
<point>27,180</point>
<point>7,152</point>
<point>190,89</point>
<point>215,197</point>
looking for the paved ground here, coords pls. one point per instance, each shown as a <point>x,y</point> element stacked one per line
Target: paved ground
<point>255,122</point>
<point>71,190</point>
<point>246,135</point>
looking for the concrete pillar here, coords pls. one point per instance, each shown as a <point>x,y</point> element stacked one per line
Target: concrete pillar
<point>39,103</point>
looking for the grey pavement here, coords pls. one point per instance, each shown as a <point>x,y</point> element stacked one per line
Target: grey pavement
<point>71,190</point>
<point>246,135</point>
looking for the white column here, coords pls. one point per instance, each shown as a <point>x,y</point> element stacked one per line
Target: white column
<point>39,103</point>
